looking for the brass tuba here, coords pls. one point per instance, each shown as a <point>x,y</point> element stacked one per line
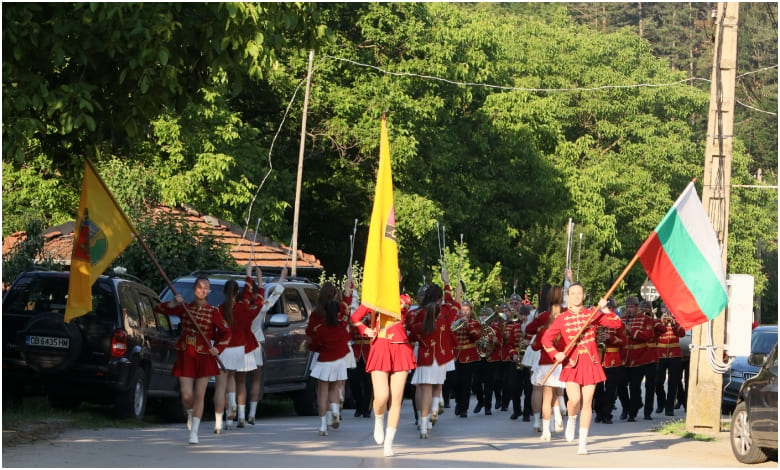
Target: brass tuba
<point>522,347</point>
<point>488,340</point>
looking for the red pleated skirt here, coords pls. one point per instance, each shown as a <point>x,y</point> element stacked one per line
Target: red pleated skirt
<point>191,364</point>
<point>585,373</point>
<point>390,357</point>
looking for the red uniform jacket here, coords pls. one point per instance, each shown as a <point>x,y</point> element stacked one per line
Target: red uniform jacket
<point>495,355</point>
<point>331,341</point>
<point>244,312</point>
<point>466,349</point>
<point>641,333</point>
<point>613,355</point>
<point>440,343</point>
<point>513,333</point>
<point>361,344</point>
<point>568,324</point>
<point>208,319</point>
<point>668,344</point>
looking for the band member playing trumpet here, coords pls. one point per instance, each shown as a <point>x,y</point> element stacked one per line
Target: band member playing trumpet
<point>669,360</point>
<point>581,369</point>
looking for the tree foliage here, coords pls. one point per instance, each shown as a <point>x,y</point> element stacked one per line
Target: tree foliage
<point>505,120</point>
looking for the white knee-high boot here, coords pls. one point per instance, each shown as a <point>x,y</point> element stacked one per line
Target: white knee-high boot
<point>570,428</point>
<point>545,430</point>
<point>334,409</point>
<point>323,426</point>
<point>558,418</point>
<point>379,428</point>
<point>194,430</point>
<point>583,448</point>
<point>389,435</point>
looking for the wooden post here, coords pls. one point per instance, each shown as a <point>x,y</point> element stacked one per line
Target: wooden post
<point>705,386</point>
<point>302,146</point>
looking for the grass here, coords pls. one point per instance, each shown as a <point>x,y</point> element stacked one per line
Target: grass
<point>677,427</point>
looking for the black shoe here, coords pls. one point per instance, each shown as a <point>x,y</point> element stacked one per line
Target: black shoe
<point>526,418</point>
<point>660,409</point>
<point>358,413</point>
<point>678,405</point>
<point>488,412</point>
<point>446,404</point>
<point>648,418</point>
<point>498,406</point>
<point>514,416</point>
<point>598,419</point>
<point>463,415</point>
<point>632,419</point>
<point>504,408</point>
<point>624,415</point>
<point>607,420</point>
<point>478,408</point>
<point>669,413</point>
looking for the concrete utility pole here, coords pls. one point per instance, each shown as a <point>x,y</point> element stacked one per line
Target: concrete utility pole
<point>705,386</point>
<point>294,247</point>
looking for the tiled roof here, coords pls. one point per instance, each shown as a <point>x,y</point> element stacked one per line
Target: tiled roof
<point>267,253</point>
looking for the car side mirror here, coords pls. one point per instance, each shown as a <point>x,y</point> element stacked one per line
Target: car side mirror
<point>756,359</point>
<point>279,320</point>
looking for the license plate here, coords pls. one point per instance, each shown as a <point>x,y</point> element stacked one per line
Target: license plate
<point>48,341</point>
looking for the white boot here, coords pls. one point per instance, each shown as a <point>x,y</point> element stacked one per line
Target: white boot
<point>189,419</point>
<point>329,418</point>
<point>424,427</point>
<point>334,409</point>
<point>323,426</point>
<point>570,424</point>
<point>545,430</point>
<point>562,405</point>
<point>379,428</point>
<point>233,407</point>
<point>389,442</point>
<point>217,423</point>
<point>583,448</point>
<point>252,412</point>
<point>228,419</point>
<point>558,418</point>
<point>194,430</point>
<point>435,410</point>
<point>537,422</point>
<point>241,414</point>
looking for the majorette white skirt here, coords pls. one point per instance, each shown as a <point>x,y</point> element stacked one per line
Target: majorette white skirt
<point>450,365</point>
<point>541,370</point>
<point>258,353</point>
<point>236,359</point>
<point>349,359</point>
<point>314,358</point>
<point>330,371</point>
<point>531,357</point>
<point>433,374</point>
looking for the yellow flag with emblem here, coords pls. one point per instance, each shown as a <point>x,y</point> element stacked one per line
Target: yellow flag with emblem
<point>102,232</point>
<point>381,291</point>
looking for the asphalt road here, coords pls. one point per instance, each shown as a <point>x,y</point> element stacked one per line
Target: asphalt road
<point>292,441</point>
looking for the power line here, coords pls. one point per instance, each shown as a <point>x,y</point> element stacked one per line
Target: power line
<point>546,90</point>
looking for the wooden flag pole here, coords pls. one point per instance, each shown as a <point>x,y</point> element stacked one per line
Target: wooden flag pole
<point>590,318</point>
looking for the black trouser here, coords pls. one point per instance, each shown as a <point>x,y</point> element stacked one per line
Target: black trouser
<point>478,381</point>
<point>521,386</point>
<point>360,385</point>
<point>635,376</point>
<point>491,381</point>
<point>616,381</point>
<point>448,388</point>
<point>682,390</point>
<point>672,366</point>
<point>512,389</point>
<point>463,373</point>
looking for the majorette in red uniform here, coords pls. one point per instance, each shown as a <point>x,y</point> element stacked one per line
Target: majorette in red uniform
<point>245,310</point>
<point>669,362</point>
<point>193,358</point>
<point>438,345</point>
<point>582,364</point>
<point>390,350</point>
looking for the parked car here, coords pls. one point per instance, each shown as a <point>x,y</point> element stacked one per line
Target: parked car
<point>287,358</point>
<point>763,338</point>
<point>754,422</point>
<point>119,353</point>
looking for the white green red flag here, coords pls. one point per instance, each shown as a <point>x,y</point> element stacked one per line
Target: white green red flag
<point>683,259</point>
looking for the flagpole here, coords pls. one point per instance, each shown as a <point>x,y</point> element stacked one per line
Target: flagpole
<point>596,309</point>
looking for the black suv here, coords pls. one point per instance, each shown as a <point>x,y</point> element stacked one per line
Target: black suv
<point>287,359</point>
<point>754,422</point>
<point>120,353</point>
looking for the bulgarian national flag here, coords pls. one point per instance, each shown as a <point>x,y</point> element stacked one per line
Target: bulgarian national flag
<point>683,259</point>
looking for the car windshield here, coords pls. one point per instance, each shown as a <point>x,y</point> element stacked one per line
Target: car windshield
<point>32,295</point>
<point>763,341</point>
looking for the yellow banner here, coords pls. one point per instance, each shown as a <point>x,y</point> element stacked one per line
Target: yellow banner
<point>381,291</point>
<point>102,232</point>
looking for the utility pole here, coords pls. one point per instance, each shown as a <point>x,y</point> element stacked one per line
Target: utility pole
<point>705,386</point>
<point>294,247</point>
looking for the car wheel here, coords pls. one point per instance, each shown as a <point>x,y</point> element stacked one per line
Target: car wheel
<point>742,444</point>
<point>131,403</point>
<point>49,359</point>
<point>305,401</point>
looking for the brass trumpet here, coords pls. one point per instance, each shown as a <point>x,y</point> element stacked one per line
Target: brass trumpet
<point>487,341</point>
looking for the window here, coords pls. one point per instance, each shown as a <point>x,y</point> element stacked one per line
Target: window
<point>293,305</point>
<point>146,307</point>
<point>130,309</point>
